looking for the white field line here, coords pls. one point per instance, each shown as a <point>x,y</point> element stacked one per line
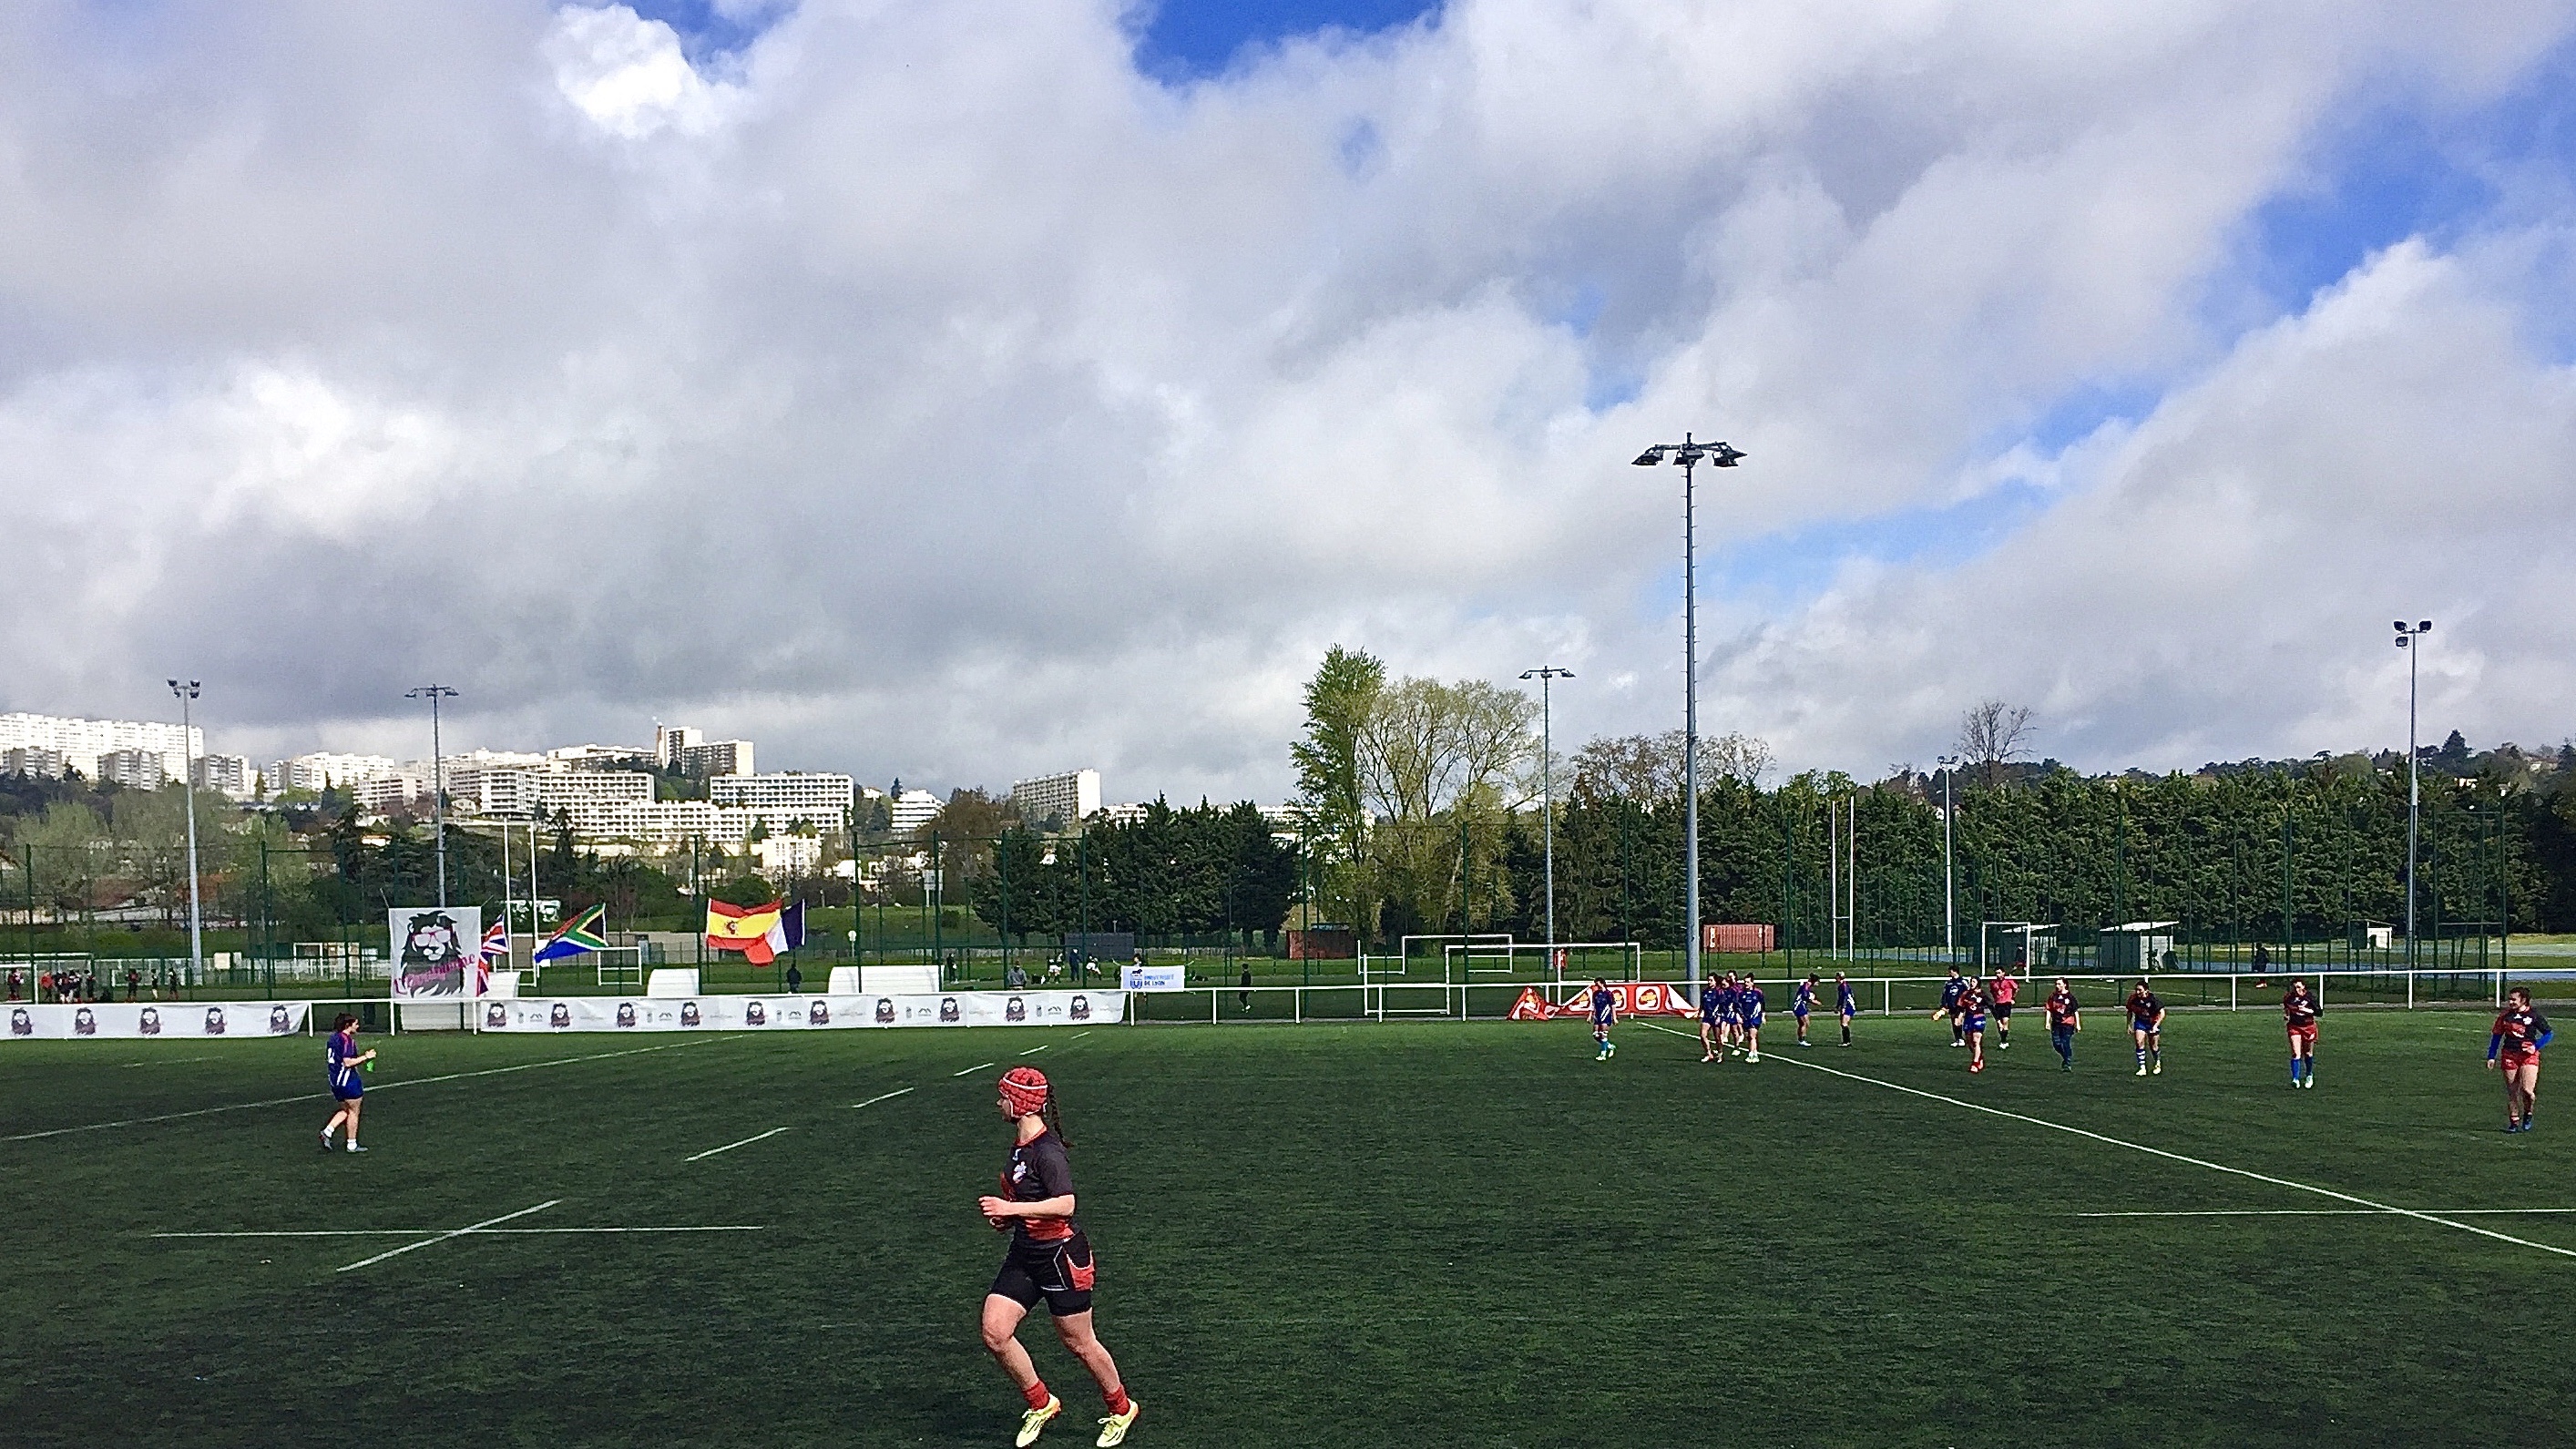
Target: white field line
<point>1033,1051</point>
<point>443,1237</point>
<point>478,1232</point>
<point>2322,1213</point>
<point>970,1071</point>
<point>372,1089</point>
<point>2361,1202</point>
<point>882,1097</point>
<point>1077,1036</point>
<point>730,1146</point>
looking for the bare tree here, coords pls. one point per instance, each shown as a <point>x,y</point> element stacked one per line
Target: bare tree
<point>1648,768</point>
<point>1994,734</point>
<point>1427,747</point>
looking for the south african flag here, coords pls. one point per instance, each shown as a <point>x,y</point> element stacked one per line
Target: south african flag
<point>579,936</point>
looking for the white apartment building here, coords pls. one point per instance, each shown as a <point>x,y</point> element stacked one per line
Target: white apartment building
<point>228,775</point>
<point>788,855</point>
<point>139,769</point>
<point>322,770</point>
<point>587,798</point>
<point>822,800</point>
<point>32,760</point>
<point>669,741</point>
<point>83,743</point>
<point>1059,802</point>
<point>717,757</point>
<point>911,810</point>
<point>378,794</point>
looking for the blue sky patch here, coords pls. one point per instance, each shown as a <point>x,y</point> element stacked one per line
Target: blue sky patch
<point>1184,40</point>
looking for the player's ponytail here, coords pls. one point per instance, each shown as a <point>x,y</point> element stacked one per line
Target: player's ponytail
<point>1054,1121</point>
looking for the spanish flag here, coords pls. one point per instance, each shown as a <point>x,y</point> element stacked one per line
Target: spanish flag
<point>748,929</point>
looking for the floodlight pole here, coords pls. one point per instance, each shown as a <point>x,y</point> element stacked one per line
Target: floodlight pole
<point>1690,453</point>
<point>187,694</point>
<point>1949,891</point>
<point>438,783</point>
<point>2407,640</point>
<point>1546,675</point>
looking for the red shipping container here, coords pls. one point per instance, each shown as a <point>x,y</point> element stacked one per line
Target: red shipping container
<point>1734,938</point>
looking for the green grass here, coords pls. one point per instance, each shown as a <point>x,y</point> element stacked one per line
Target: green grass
<point>1435,1234</point>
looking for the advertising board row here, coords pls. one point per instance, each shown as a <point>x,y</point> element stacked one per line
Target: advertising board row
<point>131,1021</point>
<point>801,1013</point>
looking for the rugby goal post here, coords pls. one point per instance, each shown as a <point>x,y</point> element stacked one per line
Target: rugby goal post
<point>619,966</point>
<point>2022,945</point>
<point>1537,961</point>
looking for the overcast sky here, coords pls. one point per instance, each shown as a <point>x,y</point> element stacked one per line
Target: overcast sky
<point>966,390</point>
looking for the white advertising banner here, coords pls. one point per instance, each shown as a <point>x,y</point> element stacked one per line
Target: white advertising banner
<point>132,1020</point>
<point>1156,978</point>
<point>435,949</point>
<point>801,1013</point>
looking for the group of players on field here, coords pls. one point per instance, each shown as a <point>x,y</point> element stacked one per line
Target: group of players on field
<point>1730,1024</point>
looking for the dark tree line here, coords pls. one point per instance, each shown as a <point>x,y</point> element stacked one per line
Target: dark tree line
<point>2245,854</point>
<point>1203,872</point>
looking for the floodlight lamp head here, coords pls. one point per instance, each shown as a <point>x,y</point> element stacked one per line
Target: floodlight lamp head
<point>2424,628</point>
<point>2399,626</point>
<point>1725,455</point>
<point>1649,458</point>
<point>1688,457</point>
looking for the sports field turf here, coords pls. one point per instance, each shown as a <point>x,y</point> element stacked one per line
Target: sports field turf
<point>1438,1234</point>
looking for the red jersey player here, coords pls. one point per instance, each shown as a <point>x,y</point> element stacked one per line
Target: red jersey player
<point>2001,994</point>
<point>2299,1012</point>
<point>2514,1049</point>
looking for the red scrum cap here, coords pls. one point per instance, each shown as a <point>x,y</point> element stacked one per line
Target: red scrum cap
<point>1025,1088</point>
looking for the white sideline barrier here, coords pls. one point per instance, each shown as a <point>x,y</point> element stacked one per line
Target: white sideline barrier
<point>145,1020</point>
<point>803,1013</point>
<point>885,980</point>
<point>672,981</point>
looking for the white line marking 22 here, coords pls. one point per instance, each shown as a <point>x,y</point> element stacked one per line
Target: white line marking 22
<point>730,1146</point>
<point>2169,1156</point>
<point>443,1237</point>
<point>970,1071</point>
<point>882,1097</point>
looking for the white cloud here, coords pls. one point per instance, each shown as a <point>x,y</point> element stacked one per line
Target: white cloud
<point>922,390</point>
<point>630,76</point>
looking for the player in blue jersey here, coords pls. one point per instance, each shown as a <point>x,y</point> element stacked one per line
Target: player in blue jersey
<point>1801,1004</point>
<point>1748,1006</point>
<point>341,1062</point>
<point>1605,1010</point>
<point>1949,1007</point>
<point>1846,1005</point>
<point>1972,1025</point>
<point>1711,1002</point>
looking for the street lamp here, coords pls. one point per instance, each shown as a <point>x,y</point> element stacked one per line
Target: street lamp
<point>1546,675</point>
<point>438,786</point>
<point>1949,892</point>
<point>187,694</point>
<point>1690,454</point>
<point>2406,640</point>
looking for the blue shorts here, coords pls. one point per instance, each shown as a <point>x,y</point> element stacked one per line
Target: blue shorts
<point>1709,1021</point>
<point>1972,1021</point>
<point>1799,1012</point>
<point>1753,1022</point>
<point>351,1092</point>
<point>1848,1012</point>
<point>2141,1023</point>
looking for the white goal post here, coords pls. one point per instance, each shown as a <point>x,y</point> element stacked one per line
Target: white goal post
<point>1536,961</point>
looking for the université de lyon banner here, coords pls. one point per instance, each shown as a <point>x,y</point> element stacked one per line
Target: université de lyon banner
<point>434,951</point>
<point>800,1013</point>
<point>147,1020</point>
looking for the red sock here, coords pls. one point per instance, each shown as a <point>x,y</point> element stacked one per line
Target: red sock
<point>1116,1399</point>
<point>1036,1394</point>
